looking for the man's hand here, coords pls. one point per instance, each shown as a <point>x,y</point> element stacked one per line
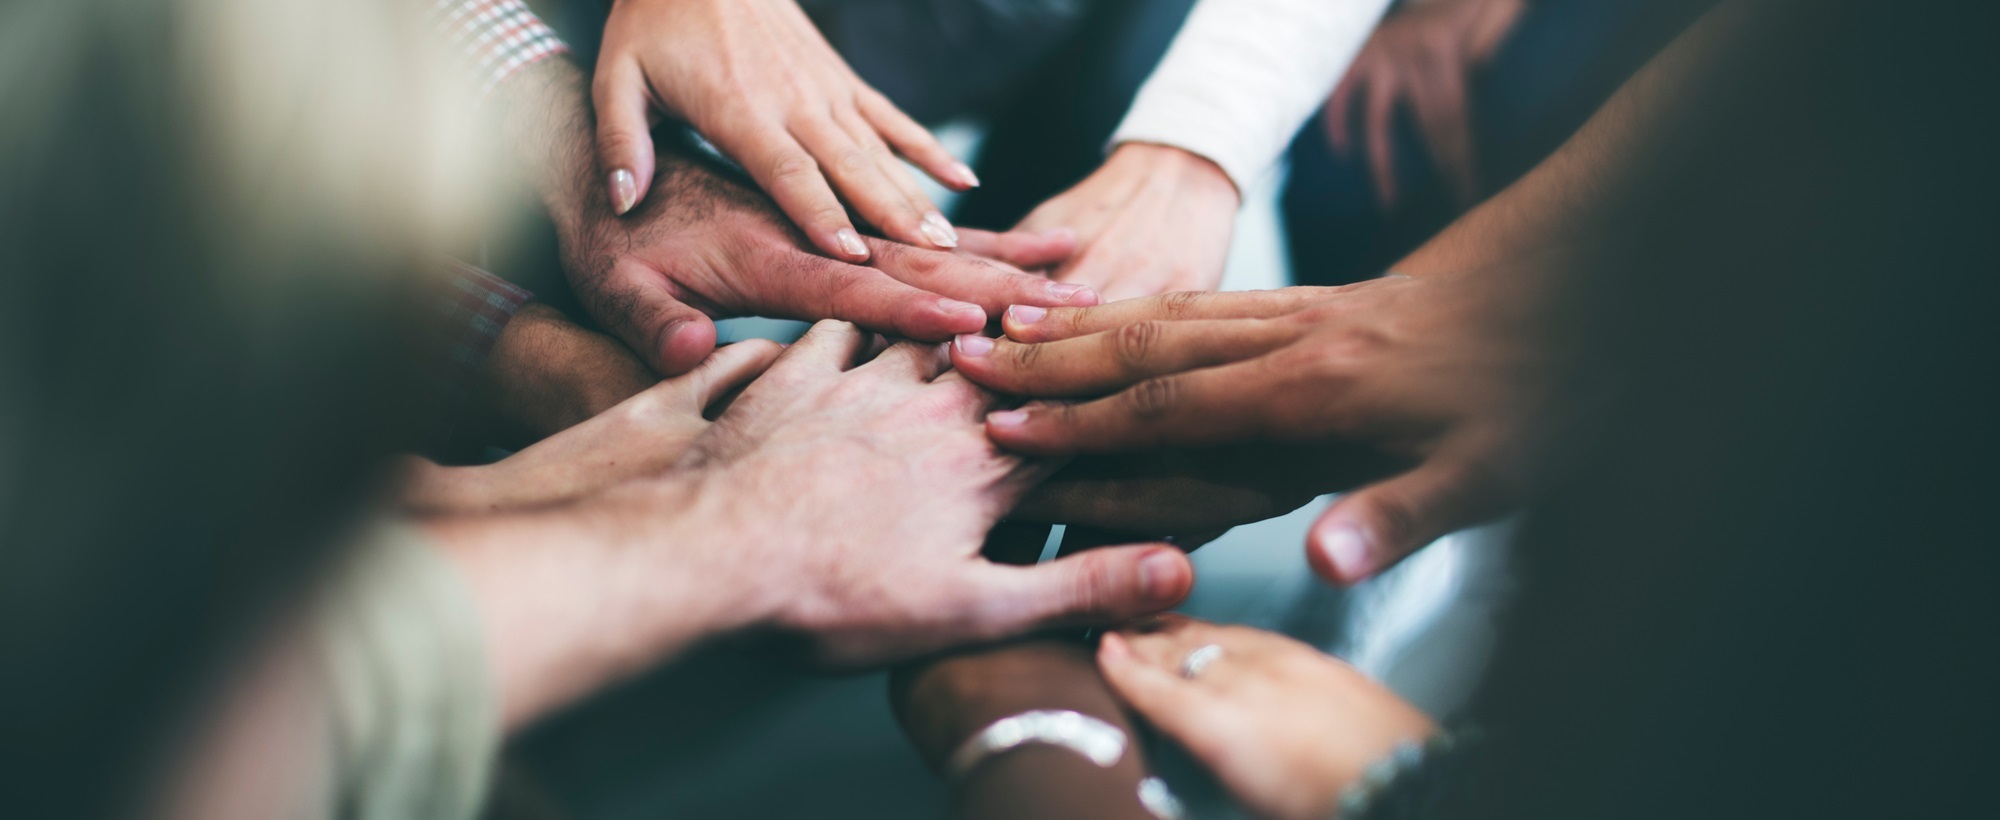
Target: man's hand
<point>1424,55</point>
<point>1437,372</point>
<point>1284,726</point>
<point>842,503</point>
<point>1150,220</point>
<point>757,79</point>
<point>704,246</point>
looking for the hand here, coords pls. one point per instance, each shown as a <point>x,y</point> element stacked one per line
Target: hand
<point>1438,372</point>
<point>1192,492</point>
<point>706,246</point>
<point>757,79</point>
<point>546,374</point>
<point>1425,54</point>
<point>1152,219</point>
<point>641,436</point>
<point>1285,727</point>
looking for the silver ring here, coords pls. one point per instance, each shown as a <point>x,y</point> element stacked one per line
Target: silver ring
<point>1199,659</point>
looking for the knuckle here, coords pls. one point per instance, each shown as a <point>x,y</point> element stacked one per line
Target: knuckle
<point>791,167</point>
<point>1027,357</point>
<point>850,162</point>
<point>1180,304</point>
<point>1153,398</point>
<point>1133,344</point>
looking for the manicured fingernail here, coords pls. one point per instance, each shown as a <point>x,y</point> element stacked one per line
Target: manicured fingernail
<point>974,345</point>
<point>965,175</point>
<point>624,190</point>
<point>1347,551</point>
<point>1160,574</point>
<point>1070,292</point>
<point>939,231</point>
<point>1026,314</point>
<point>850,243</point>
<point>1007,418</point>
<point>1059,233</point>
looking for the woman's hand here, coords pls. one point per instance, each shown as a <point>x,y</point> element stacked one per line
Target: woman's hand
<point>1150,220</point>
<point>1285,727</point>
<point>1437,374</point>
<point>641,436</point>
<point>757,79</point>
<point>1424,55</point>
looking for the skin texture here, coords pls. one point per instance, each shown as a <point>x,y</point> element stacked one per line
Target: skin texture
<point>747,534</point>
<point>546,374</point>
<point>1152,219</point>
<point>644,435</point>
<point>705,246</point>
<point>1423,57</point>
<point>756,78</point>
<point>1433,372</point>
<point>1285,727</point>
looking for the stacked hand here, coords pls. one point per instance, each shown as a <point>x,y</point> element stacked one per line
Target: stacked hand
<point>1431,372</point>
<point>1152,219</point>
<point>1285,727</point>
<point>756,78</point>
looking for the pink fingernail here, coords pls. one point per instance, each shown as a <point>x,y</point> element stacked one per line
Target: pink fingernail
<point>965,175</point>
<point>939,231</point>
<point>1026,314</point>
<point>1347,551</point>
<point>624,189</point>
<point>850,243</point>
<point>974,345</point>
<point>1008,418</point>
<point>1073,292</point>
<point>1112,647</point>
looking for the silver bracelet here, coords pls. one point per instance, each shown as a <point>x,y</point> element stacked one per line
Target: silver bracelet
<point>1099,742</point>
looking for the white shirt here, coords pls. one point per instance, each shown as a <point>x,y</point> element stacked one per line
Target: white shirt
<point>1244,75</point>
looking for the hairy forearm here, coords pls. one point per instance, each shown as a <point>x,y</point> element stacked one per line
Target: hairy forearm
<point>943,702</point>
<point>1571,199</point>
<point>546,119</point>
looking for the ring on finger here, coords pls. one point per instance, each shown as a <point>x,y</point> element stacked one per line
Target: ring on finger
<point>1199,659</point>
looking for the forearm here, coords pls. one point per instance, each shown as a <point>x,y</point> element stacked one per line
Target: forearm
<point>1571,199</point>
<point>546,374</point>
<point>546,120</point>
<point>943,702</point>
<point>1243,75</point>
<point>578,597</point>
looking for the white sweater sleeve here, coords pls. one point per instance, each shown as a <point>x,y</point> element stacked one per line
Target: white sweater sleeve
<point>1243,76</point>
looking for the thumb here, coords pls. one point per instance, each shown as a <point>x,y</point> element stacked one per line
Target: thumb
<point>732,368</point>
<point>624,142</point>
<point>1370,529</point>
<point>671,337</point>
<point>1095,587</point>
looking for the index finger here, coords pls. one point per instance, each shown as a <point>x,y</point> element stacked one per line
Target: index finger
<point>1102,362</point>
<point>1201,407</point>
<point>1035,323</point>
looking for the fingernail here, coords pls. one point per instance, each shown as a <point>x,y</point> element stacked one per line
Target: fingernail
<point>1160,574</point>
<point>974,345</point>
<point>1347,551</point>
<point>1026,314</point>
<point>1070,292</point>
<point>850,243</point>
<point>1007,418</point>
<point>1112,647</point>
<point>624,191</point>
<point>939,231</point>
<point>955,306</point>
<point>1059,233</point>
<point>965,175</point>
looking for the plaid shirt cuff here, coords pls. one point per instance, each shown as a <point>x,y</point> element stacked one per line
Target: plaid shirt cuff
<point>496,38</point>
<point>469,310</point>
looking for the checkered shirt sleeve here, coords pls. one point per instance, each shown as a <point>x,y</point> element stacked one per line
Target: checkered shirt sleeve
<point>496,38</point>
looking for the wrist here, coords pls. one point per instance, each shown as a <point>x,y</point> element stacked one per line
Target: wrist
<point>1191,174</point>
